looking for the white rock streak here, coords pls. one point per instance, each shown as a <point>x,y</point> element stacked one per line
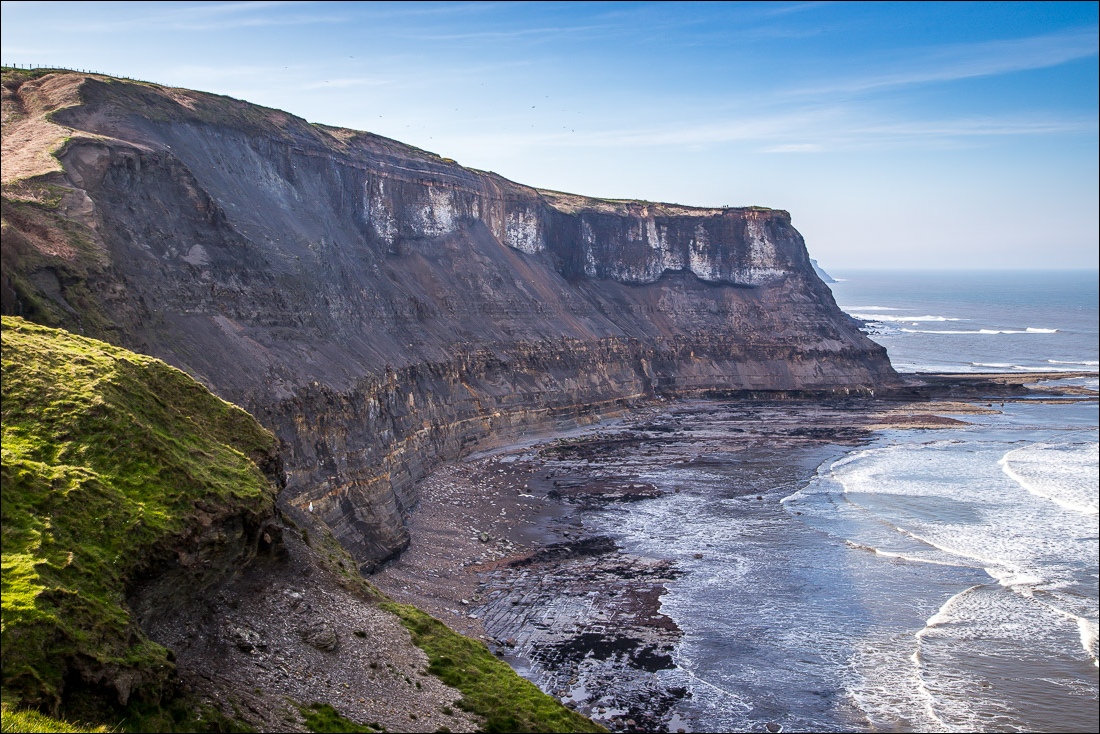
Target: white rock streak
<point>521,231</point>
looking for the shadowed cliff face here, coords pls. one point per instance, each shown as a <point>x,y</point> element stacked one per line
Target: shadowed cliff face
<point>381,308</point>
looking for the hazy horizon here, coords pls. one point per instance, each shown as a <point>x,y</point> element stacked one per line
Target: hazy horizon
<point>910,135</point>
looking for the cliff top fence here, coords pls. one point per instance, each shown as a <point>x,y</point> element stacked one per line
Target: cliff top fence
<point>54,67</point>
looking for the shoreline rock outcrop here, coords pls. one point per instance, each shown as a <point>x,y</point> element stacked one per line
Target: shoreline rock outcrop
<point>381,308</point>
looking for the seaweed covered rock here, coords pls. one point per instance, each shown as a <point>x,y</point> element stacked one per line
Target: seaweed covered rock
<point>117,469</point>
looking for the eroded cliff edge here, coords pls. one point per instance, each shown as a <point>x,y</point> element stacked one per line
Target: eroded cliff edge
<point>380,308</point>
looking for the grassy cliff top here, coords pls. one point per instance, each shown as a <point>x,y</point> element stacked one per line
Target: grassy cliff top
<point>36,127</point>
<point>575,203</point>
<point>107,457</point>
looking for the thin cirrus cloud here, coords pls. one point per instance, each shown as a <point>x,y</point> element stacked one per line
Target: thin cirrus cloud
<point>956,62</point>
<point>834,129</point>
<point>937,135</point>
<point>206,73</point>
<point>794,148</point>
<point>210,17</point>
<point>669,135</point>
<point>547,32</point>
<point>931,134</point>
<point>347,83</point>
<point>981,127</point>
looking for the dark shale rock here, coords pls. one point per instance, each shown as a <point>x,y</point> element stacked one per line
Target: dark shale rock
<point>383,309</point>
<point>245,638</point>
<point>319,633</point>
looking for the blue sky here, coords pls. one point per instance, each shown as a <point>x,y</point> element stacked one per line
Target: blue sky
<point>919,135</point>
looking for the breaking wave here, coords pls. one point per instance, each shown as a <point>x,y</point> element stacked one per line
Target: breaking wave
<point>1065,475</point>
<point>1028,330</point>
<point>913,319</point>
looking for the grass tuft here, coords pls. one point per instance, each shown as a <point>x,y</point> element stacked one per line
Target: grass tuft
<point>29,720</point>
<point>323,718</point>
<point>490,688</point>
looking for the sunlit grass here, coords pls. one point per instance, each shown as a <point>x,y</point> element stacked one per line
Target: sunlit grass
<point>490,688</point>
<point>107,456</point>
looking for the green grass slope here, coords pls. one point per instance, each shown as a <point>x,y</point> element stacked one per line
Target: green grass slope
<point>109,458</point>
<point>489,686</point>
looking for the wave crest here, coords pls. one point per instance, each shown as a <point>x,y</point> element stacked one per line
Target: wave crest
<point>1065,475</point>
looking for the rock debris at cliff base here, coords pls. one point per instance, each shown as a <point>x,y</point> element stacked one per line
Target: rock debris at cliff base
<point>502,547</point>
<point>381,308</point>
<point>501,550</point>
<point>292,632</point>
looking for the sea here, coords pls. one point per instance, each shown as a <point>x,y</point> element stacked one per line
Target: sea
<point>927,580</point>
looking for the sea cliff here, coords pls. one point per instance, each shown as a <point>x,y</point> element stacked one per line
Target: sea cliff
<point>380,308</point>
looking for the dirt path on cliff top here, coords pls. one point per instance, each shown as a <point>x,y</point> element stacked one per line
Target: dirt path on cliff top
<point>29,139</point>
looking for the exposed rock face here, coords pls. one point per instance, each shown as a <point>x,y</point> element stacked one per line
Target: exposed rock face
<point>381,308</point>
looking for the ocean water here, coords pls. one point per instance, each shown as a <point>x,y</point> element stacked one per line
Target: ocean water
<point>975,321</point>
<point>929,580</point>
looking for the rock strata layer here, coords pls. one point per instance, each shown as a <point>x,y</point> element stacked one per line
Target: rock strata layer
<point>381,308</point>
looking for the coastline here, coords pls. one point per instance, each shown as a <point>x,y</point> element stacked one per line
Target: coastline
<point>501,549</point>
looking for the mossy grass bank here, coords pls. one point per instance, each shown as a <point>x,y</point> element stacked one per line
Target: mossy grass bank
<point>109,458</point>
<point>29,720</point>
<point>324,719</point>
<point>490,688</point>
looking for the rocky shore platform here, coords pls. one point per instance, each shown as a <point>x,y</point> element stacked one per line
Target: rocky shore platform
<point>503,548</point>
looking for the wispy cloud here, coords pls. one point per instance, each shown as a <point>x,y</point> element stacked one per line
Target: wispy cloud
<point>931,134</point>
<point>204,72</point>
<point>346,83</point>
<point>978,127</point>
<point>810,131</point>
<point>791,8</point>
<point>211,17</point>
<point>661,23</point>
<point>444,9</point>
<point>514,33</point>
<point>951,63</point>
<point>794,148</point>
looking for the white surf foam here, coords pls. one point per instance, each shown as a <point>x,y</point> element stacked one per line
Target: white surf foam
<point>1006,366</point>
<point>1090,632</point>
<point>947,503</point>
<point>909,319</point>
<point>986,623</point>
<point>850,309</point>
<point>910,557</point>
<point>980,332</point>
<point>1065,475</point>
<point>1035,553</point>
<point>886,687</point>
<point>942,616</point>
<point>1084,363</point>
<point>1087,630</point>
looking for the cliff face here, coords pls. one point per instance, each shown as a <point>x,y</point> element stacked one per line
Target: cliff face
<point>381,308</point>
